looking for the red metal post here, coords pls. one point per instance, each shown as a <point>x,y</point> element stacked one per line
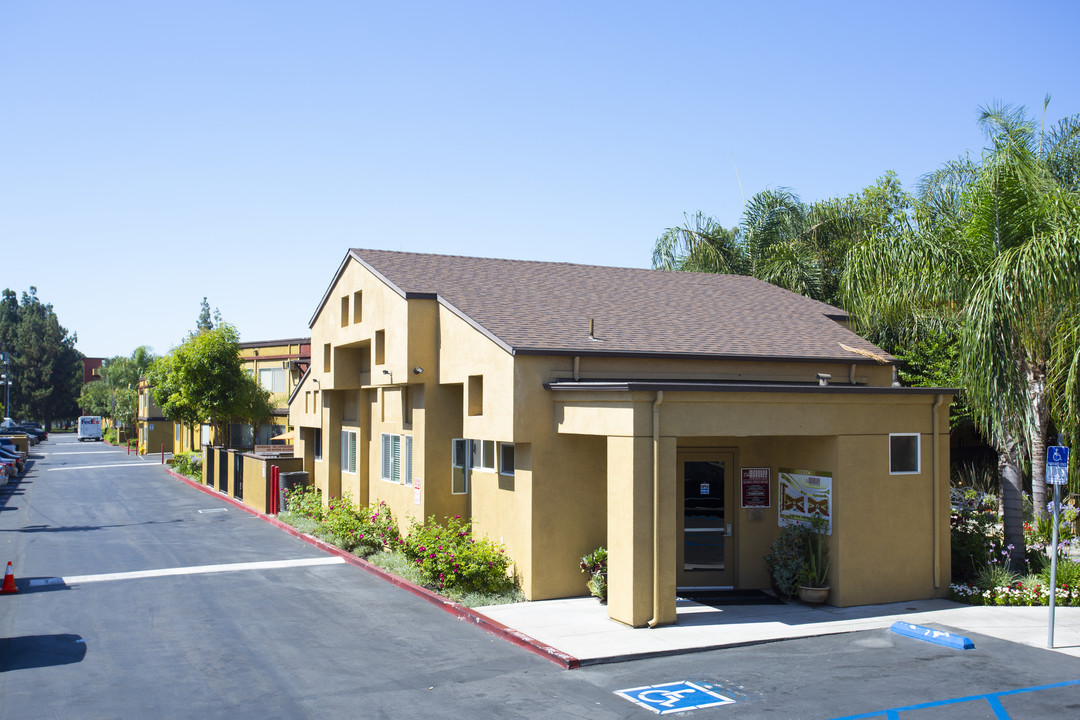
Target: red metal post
<point>274,493</point>
<point>162,453</point>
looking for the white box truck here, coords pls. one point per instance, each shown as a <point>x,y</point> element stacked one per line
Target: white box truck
<point>89,427</point>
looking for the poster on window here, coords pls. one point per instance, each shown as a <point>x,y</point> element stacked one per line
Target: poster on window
<point>803,494</point>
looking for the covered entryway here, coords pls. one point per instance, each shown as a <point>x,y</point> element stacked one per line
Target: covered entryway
<point>694,489</point>
<point>706,557</point>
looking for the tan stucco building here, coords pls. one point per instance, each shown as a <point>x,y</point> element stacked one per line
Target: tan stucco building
<point>676,419</point>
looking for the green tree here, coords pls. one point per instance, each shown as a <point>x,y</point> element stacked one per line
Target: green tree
<point>784,241</point>
<point>993,257</point>
<point>204,323</point>
<point>45,368</point>
<point>116,394</point>
<point>203,380</point>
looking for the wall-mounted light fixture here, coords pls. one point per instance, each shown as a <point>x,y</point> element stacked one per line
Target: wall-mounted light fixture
<point>387,372</point>
<point>417,370</point>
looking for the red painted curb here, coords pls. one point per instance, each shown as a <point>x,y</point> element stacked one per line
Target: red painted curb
<point>494,627</point>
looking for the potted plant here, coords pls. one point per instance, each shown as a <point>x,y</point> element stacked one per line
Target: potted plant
<point>595,566</point>
<point>814,576</point>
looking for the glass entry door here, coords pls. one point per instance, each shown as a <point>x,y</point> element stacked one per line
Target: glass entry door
<point>706,553</point>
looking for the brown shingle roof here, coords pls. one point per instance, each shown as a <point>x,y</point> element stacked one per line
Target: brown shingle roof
<point>545,307</point>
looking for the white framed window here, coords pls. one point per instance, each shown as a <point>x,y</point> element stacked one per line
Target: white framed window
<point>348,451</point>
<point>506,458</point>
<point>396,458</point>
<point>482,454</point>
<point>273,379</point>
<point>904,454</point>
<point>459,467</point>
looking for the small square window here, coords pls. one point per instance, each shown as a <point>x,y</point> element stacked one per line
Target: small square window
<point>904,454</point>
<point>506,458</point>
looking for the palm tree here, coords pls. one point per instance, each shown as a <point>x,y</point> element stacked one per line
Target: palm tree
<point>782,240</point>
<point>995,251</point>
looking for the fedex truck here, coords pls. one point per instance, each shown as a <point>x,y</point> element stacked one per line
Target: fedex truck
<point>89,427</point>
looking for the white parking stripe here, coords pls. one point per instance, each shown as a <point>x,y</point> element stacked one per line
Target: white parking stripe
<point>133,463</point>
<point>196,570</point>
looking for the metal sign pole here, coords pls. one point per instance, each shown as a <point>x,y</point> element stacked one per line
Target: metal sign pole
<point>1057,474</point>
<point>1053,564</point>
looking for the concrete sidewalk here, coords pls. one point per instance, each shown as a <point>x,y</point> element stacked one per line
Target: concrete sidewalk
<point>580,627</point>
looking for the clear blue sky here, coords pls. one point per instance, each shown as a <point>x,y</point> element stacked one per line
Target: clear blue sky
<point>155,152</point>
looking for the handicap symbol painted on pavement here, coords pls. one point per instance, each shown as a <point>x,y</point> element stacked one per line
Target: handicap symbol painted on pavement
<point>675,697</point>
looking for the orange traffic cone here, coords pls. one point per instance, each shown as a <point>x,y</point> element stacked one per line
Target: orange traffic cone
<point>9,581</point>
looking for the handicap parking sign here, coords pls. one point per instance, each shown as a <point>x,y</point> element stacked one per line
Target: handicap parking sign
<point>1057,465</point>
<point>675,697</point>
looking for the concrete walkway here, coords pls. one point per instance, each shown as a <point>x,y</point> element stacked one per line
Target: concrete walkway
<point>580,627</point>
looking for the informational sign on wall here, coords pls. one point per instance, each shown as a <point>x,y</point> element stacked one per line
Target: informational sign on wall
<point>754,488</point>
<point>803,494</point>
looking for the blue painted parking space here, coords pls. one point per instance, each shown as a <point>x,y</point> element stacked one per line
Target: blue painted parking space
<point>993,700</point>
<point>675,697</point>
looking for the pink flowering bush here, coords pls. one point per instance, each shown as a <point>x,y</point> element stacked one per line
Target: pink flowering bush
<point>362,531</point>
<point>450,558</point>
<point>304,502</point>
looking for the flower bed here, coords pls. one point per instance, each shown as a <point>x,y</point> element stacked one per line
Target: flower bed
<point>1018,594</point>
<point>443,557</point>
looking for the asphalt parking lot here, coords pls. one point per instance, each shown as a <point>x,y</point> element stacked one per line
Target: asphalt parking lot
<point>142,597</point>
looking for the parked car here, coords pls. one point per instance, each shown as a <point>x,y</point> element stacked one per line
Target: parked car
<point>33,439</point>
<point>35,430</point>
<point>18,464</point>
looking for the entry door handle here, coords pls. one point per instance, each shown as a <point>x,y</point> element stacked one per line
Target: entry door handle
<point>728,533</point>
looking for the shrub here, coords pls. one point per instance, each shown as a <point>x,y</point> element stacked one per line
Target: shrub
<point>786,560</point>
<point>304,502</point>
<point>1039,531</point>
<point>188,464</point>
<point>361,531</point>
<point>994,576</point>
<point>451,559</point>
<point>973,531</point>
<point>1068,573</point>
<point>595,565</point>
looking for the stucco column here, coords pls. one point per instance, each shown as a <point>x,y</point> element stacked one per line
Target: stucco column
<point>331,424</point>
<point>630,530</point>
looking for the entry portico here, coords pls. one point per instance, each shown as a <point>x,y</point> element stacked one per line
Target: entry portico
<point>668,440</point>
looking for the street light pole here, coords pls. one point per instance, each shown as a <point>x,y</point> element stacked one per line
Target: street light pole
<point>7,385</point>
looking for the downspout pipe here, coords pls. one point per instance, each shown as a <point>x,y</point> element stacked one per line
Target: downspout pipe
<point>656,509</point>
<point>935,443</point>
